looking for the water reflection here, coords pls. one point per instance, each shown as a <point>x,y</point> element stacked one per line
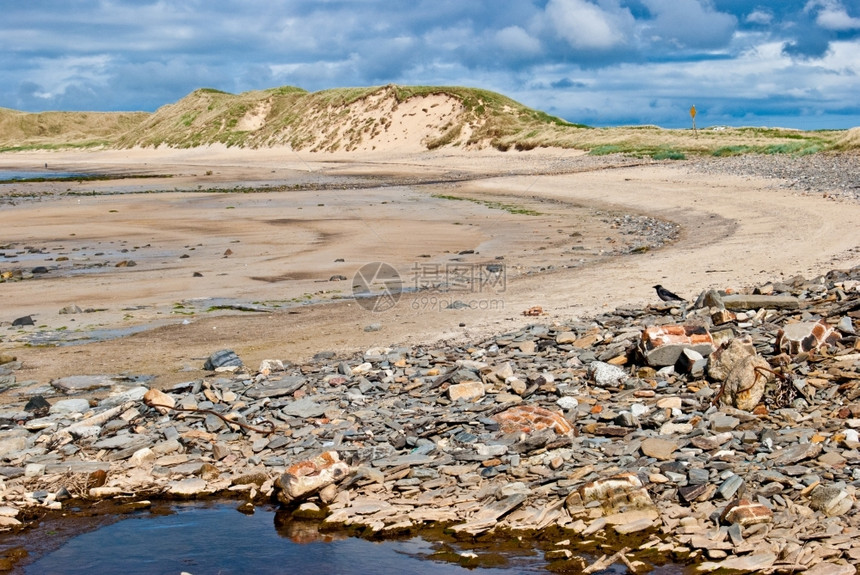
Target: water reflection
<point>216,538</point>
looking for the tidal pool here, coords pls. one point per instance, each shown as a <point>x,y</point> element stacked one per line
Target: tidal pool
<point>208,538</point>
<point>215,538</point>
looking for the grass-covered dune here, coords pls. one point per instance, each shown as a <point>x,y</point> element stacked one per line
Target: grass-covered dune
<point>386,118</point>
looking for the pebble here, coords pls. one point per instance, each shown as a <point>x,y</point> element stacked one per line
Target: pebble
<point>529,430</point>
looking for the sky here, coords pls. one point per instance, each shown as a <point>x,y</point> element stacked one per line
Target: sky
<point>777,63</point>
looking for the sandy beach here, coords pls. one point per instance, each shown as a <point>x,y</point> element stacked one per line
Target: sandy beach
<point>181,260</point>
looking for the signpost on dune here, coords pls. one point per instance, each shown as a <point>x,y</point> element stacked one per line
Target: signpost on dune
<point>693,116</point>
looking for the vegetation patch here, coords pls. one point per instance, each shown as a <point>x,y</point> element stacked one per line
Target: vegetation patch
<point>510,208</point>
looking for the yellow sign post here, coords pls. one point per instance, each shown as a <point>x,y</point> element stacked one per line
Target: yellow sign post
<point>693,116</point>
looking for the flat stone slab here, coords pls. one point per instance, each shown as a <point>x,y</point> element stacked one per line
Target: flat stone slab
<point>76,383</point>
<point>744,302</point>
<point>304,408</point>
<point>278,388</point>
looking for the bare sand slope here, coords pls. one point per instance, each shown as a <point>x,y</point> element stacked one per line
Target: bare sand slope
<point>284,247</point>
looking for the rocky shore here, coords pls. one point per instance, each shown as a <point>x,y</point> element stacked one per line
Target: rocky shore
<point>723,434</point>
<point>835,175</point>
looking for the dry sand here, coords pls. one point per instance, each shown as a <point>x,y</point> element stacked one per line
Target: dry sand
<point>284,247</point>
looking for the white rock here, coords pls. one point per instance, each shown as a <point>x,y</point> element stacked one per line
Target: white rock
<point>362,368</point>
<point>638,409</point>
<point>190,486</point>
<point>142,457</point>
<point>606,374</point>
<point>34,470</point>
<point>567,402</point>
<point>6,511</point>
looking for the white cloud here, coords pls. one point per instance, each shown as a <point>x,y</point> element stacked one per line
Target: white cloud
<point>759,16</point>
<point>585,25</point>
<point>515,39</point>
<point>689,23</point>
<point>834,17</point>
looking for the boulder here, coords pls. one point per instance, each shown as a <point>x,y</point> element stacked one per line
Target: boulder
<point>307,477</point>
<point>466,391</point>
<point>727,355</point>
<point>225,358</point>
<point>622,498</point>
<point>744,387</point>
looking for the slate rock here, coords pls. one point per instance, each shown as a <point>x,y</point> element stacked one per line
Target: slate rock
<point>80,383</point>
<point>752,301</point>
<point>658,448</point>
<point>304,408</point>
<point>67,406</point>
<point>38,405</point>
<point>277,388</point>
<point>222,358</point>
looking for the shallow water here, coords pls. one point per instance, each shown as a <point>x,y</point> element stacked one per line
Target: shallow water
<point>202,538</point>
<point>216,538</point>
<point>15,175</point>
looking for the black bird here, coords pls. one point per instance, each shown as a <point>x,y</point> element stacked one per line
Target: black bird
<point>666,295</point>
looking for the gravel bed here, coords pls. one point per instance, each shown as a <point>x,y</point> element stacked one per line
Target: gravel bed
<point>831,174</point>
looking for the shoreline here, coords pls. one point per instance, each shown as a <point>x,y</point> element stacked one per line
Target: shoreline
<point>432,457</point>
<point>720,217</point>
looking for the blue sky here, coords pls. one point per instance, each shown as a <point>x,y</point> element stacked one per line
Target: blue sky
<point>788,63</point>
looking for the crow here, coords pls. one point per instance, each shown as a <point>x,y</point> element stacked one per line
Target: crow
<point>666,295</point>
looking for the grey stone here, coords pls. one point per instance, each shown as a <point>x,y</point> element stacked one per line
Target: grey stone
<point>730,486</point>
<point>222,358</point>
<point>79,383</point>
<point>66,406</point>
<point>123,441</point>
<point>721,422</point>
<point>796,453</point>
<point>188,487</point>
<point>285,386</point>
<point>12,444</point>
<point>698,476</point>
<point>305,408</point>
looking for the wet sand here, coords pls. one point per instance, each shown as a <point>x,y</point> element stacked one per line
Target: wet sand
<point>243,249</point>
